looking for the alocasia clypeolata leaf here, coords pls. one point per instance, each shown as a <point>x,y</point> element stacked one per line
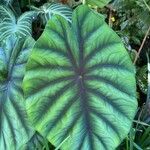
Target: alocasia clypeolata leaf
<point>80,84</point>
<point>14,126</point>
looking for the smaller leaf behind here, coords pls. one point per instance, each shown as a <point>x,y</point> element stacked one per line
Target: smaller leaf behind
<point>15,129</point>
<point>49,9</point>
<point>11,25</point>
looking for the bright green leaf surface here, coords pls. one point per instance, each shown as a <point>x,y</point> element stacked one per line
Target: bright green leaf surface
<point>14,127</point>
<point>80,84</point>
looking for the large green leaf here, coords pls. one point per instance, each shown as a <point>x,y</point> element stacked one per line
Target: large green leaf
<point>14,126</point>
<point>11,25</point>
<point>80,84</point>
<point>99,3</point>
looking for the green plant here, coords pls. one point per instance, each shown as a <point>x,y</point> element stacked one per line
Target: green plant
<point>144,140</point>
<point>14,126</point>
<point>49,9</point>
<point>76,90</point>
<point>142,78</point>
<point>10,25</point>
<point>133,15</point>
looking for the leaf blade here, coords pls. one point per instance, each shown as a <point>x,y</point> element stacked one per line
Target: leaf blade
<point>91,115</point>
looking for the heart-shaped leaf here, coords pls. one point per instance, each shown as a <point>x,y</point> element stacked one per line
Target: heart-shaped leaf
<point>14,126</point>
<point>10,25</point>
<point>80,84</point>
<point>49,9</point>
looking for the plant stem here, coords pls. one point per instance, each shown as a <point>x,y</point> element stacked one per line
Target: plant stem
<point>127,144</point>
<point>29,4</point>
<point>110,17</point>
<point>84,1</point>
<point>148,90</point>
<point>146,5</point>
<point>141,47</point>
<point>57,148</point>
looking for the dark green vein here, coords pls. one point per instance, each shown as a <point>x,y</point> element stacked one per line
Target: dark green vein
<point>52,49</point>
<point>56,33</point>
<point>4,140</point>
<point>19,112</point>
<point>85,111</point>
<point>106,121</point>
<point>81,142</point>
<point>17,88</point>
<point>51,66</point>
<point>101,141</point>
<point>45,84</point>
<point>93,31</point>
<point>61,114</point>
<point>82,18</point>
<point>20,78</point>
<point>71,56</point>
<point>50,100</point>
<point>14,55</point>
<point>98,49</point>
<point>79,37</point>
<point>20,64</point>
<point>12,130</point>
<point>108,100</point>
<point>110,65</point>
<point>67,131</point>
<point>113,84</point>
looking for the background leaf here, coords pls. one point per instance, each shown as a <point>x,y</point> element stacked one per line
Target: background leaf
<point>14,126</point>
<point>49,9</point>
<point>10,25</point>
